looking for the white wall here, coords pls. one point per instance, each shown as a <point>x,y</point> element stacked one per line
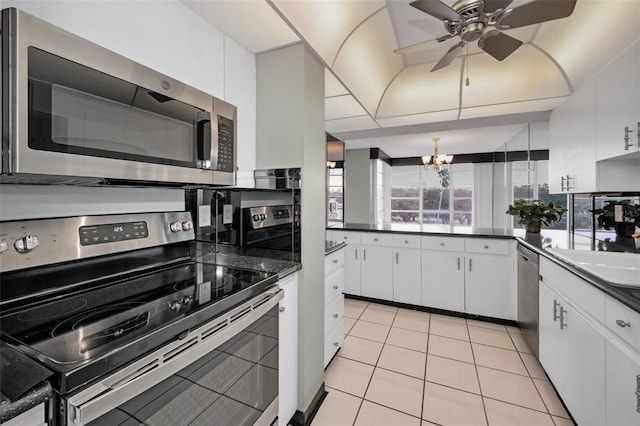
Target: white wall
<point>290,133</point>
<point>170,38</point>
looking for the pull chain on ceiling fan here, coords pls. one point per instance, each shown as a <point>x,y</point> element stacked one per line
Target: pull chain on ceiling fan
<point>468,19</point>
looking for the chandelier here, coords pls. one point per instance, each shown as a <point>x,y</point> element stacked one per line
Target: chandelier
<point>436,160</point>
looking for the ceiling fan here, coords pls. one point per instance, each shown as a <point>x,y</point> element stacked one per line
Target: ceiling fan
<point>468,19</point>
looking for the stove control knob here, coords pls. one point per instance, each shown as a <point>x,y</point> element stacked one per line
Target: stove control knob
<point>187,225</point>
<point>256,217</point>
<point>26,244</point>
<point>3,246</point>
<point>175,226</point>
<point>175,305</point>
<point>187,300</point>
<point>263,216</point>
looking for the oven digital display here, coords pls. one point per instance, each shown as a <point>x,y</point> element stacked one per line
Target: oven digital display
<point>100,234</point>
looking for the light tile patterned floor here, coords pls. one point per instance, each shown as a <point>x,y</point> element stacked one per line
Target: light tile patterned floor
<point>403,367</point>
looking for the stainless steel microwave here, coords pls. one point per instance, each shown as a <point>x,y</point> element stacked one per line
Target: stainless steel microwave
<point>75,112</point>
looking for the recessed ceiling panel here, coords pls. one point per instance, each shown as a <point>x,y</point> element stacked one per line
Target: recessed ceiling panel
<point>253,24</point>
<point>326,24</point>
<point>417,90</point>
<point>525,75</point>
<point>427,117</point>
<point>332,87</point>
<point>366,63</point>
<point>342,107</point>
<point>364,122</point>
<point>596,32</point>
<point>464,141</point>
<point>512,108</point>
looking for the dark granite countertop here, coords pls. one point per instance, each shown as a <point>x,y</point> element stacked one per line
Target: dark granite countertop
<point>333,246</point>
<point>23,383</point>
<point>281,262</point>
<point>547,239</point>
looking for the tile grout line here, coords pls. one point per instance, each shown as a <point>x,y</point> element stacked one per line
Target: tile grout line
<point>374,368</point>
<point>475,365</point>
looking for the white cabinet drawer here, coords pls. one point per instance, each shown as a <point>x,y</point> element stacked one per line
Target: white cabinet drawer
<point>486,245</point>
<point>333,285</point>
<point>333,261</point>
<point>346,236</point>
<point>376,239</point>
<point>333,341</point>
<point>443,243</point>
<point>578,292</point>
<point>408,241</point>
<point>623,321</point>
<point>333,314</point>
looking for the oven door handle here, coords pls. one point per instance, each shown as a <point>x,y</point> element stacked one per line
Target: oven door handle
<point>136,378</point>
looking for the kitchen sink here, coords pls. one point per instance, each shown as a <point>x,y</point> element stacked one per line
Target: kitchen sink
<point>617,268</point>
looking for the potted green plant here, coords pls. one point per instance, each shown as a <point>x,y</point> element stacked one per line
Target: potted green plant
<point>629,213</point>
<point>535,213</point>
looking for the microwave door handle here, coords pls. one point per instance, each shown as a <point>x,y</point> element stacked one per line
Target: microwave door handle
<point>203,141</point>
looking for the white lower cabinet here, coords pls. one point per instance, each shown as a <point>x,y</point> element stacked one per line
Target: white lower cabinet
<point>489,286</point>
<point>572,352</point>
<point>622,385</point>
<point>407,283</point>
<point>352,275</point>
<point>443,280</point>
<point>334,282</point>
<point>377,272</point>
<point>288,350</point>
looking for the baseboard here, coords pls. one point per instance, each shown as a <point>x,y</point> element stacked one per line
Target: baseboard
<point>304,419</point>
<point>433,310</point>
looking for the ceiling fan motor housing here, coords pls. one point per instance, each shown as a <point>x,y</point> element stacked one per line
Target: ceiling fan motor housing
<point>473,19</point>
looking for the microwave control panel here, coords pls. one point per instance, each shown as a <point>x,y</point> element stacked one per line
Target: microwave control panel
<point>226,161</point>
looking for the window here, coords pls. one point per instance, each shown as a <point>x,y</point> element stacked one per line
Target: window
<point>426,197</point>
<point>335,194</point>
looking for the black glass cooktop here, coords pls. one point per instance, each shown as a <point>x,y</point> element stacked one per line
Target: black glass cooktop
<point>102,327</point>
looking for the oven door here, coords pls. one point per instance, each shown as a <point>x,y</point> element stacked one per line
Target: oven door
<point>223,372</point>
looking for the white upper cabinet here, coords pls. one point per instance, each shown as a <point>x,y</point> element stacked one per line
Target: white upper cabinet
<point>618,106</point>
<point>572,129</point>
<point>587,151</point>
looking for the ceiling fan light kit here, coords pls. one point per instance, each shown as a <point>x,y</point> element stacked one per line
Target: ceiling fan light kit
<point>469,19</point>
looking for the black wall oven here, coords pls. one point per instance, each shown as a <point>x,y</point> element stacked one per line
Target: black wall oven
<point>136,329</point>
<point>74,111</point>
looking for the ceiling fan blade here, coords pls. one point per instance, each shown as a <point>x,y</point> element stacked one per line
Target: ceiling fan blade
<point>497,44</point>
<point>448,57</point>
<point>423,44</point>
<point>491,6</point>
<point>535,12</point>
<point>437,9</point>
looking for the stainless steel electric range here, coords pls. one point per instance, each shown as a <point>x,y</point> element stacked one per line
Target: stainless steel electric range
<point>136,329</point>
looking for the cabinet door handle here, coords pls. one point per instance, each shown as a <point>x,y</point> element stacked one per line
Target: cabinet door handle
<point>282,309</point>
<point>335,344</point>
<point>441,244</point>
<point>470,264</point>
<point>563,323</point>
<point>623,324</point>
<point>335,287</point>
<point>555,310</point>
<point>407,241</point>
<point>458,263</point>
<point>561,183</point>
<point>638,393</point>
<point>375,239</point>
<point>336,315</point>
<point>627,130</point>
<point>356,254</point>
<point>335,260</point>
<point>396,258</point>
<point>486,246</point>
<point>364,255</point>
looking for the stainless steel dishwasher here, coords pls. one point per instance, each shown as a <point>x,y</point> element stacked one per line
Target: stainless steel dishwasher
<point>528,274</point>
